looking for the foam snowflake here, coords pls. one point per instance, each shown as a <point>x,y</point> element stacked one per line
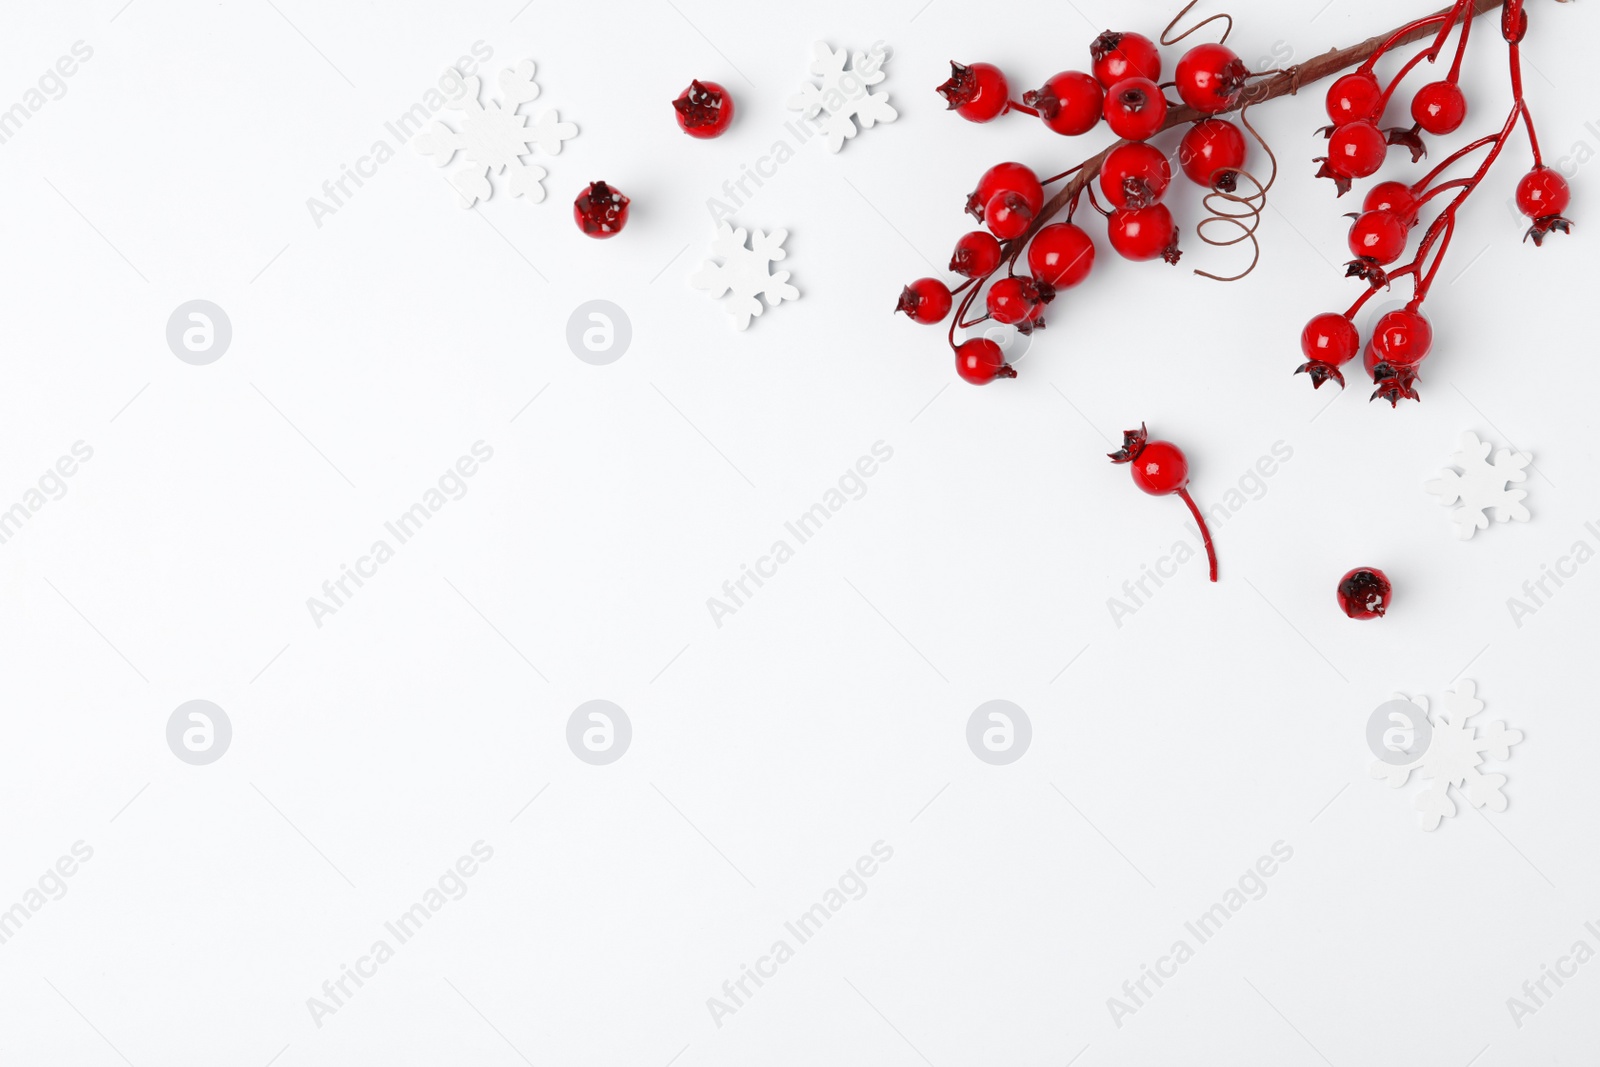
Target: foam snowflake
<point>494,138</point>
<point>745,273</point>
<point>1480,485</point>
<point>843,92</point>
<point>1453,756</point>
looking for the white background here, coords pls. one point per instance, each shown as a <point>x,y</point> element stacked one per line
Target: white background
<point>829,713</point>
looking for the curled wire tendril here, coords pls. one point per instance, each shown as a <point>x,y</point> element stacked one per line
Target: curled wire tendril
<point>1242,211</point>
<point>1199,25</point>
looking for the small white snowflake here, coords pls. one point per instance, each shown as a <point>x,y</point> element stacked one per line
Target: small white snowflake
<point>745,273</point>
<point>1480,485</point>
<point>1453,756</point>
<point>843,93</point>
<point>494,138</point>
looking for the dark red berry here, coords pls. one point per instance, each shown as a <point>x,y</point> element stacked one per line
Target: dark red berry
<point>977,92</point>
<point>1015,300</point>
<point>1354,98</point>
<point>980,361</point>
<point>600,210</point>
<point>1364,593</point>
<point>1135,109</point>
<point>977,255</point>
<point>1061,255</point>
<point>1328,342</point>
<point>1439,107</point>
<point>1212,153</point>
<point>1145,233</point>
<point>1070,103</point>
<point>1008,215</point>
<point>1124,55</point>
<point>1392,196</point>
<point>1135,175</point>
<point>1004,177</point>
<point>1210,78</point>
<point>1160,468</point>
<point>926,300</point>
<point>704,109</point>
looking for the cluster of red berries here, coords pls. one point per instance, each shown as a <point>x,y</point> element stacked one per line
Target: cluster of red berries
<point>1122,88</point>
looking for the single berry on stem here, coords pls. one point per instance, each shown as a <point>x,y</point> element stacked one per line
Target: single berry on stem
<point>1439,108</point>
<point>600,211</point>
<point>1145,233</point>
<point>977,255</point>
<point>1364,593</point>
<point>1354,98</point>
<point>1070,103</point>
<point>1135,174</point>
<point>704,109</point>
<point>977,92</point>
<point>1356,150</point>
<point>1329,341</point>
<point>1377,239</point>
<point>980,361</point>
<point>1396,197</point>
<point>1061,255</point>
<point>1210,78</point>
<point>926,300</point>
<point>1124,55</point>
<point>1400,341</point>
<point>1212,153</point>
<point>1542,195</point>
<point>1135,109</point>
<point>1160,468</point>
<point>1006,177</point>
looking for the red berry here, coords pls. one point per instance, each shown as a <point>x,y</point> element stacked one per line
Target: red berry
<point>1061,255</point>
<point>1135,175</point>
<point>1124,55</point>
<point>977,255</point>
<point>600,210</point>
<point>1354,98</point>
<point>1379,236</point>
<point>1543,192</point>
<point>1392,196</point>
<point>704,109</point>
<point>1070,103</point>
<point>1402,339</point>
<point>1144,233</point>
<point>1210,77</point>
<point>1439,107</point>
<point>1364,593</point>
<point>1008,215</point>
<point>1003,177</point>
<point>1329,341</point>
<point>1135,109</point>
<point>1357,150</point>
<point>980,362</point>
<point>1212,153</point>
<point>1015,300</point>
<point>1159,468</point>
<point>926,300</point>
<point>977,92</point>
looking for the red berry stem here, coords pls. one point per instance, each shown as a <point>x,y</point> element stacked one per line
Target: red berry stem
<point>1205,531</point>
<point>1012,105</point>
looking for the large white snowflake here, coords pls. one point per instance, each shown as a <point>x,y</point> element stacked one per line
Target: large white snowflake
<point>1453,756</point>
<point>1480,485</point>
<point>843,93</point>
<point>745,273</point>
<point>494,138</point>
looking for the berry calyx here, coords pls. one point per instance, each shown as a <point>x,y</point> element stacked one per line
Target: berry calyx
<point>1124,55</point>
<point>1354,98</point>
<point>977,255</point>
<point>1135,174</point>
<point>704,109</point>
<point>1542,195</point>
<point>1328,342</point>
<point>1070,103</point>
<point>1013,177</point>
<point>977,92</point>
<point>980,361</point>
<point>1364,593</point>
<point>1377,238</point>
<point>1400,341</point>
<point>1135,109</point>
<point>1396,197</point>
<point>1439,107</point>
<point>1160,468</point>
<point>1145,233</point>
<point>1061,255</point>
<point>926,300</point>
<point>1019,302</point>
<point>1212,153</point>
<point>600,211</point>
<point>1008,215</point>
<point>1210,78</point>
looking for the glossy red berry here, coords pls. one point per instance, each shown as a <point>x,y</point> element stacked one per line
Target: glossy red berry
<point>1210,78</point>
<point>1392,196</point>
<point>1008,215</point>
<point>1357,150</point>
<point>926,300</point>
<point>1124,55</point>
<point>1379,236</point>
<point>1070,103</point>
<point>1135,174</point>
<point>1061,255</point>
<point>1543,191</point>
<point>977,92</point>
<point>977,255</point>
<point>704,109</point>
<point>1006,177</point>
<point>1354,98</point>
<point>980,361</point>
<point>1160,468</point>
<point>1364,593</point>
<point>1212,153</point>
<point>1439,107</point>
<point>1145,233</point>
<point>1402,339</point>
<point>1018,301</point>
<point>600,210</point>
<point>1135,109</point>
<point>1328,342</point>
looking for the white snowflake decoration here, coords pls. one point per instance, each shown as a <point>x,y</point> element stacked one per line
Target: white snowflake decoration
<point>1453,757</point>
<point>1480,485</point>
<point>843,93</point>
<point>745,273</point>
<point>494,138</point>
